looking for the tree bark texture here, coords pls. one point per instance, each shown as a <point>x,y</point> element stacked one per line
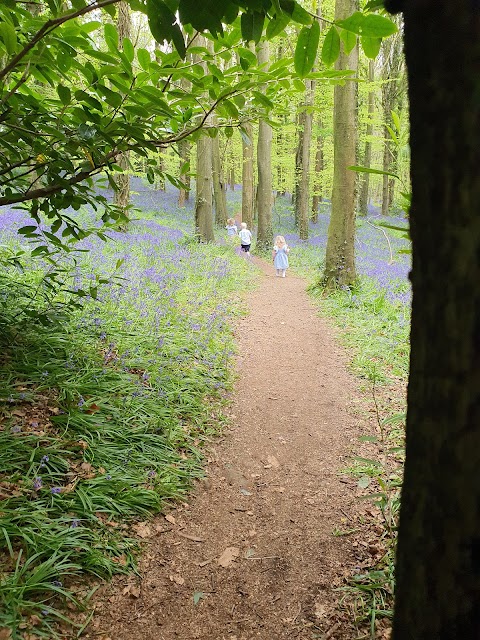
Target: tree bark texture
<point>121,197</point>
<point>438,560</point>
<point>340,251</point>
<point>204,200</point>
<point>247,176</point>
<point>302,168</point>
<point>317,183</point>
<point>367,155</point>
<point>184,153</point>
<point>219,186</point>
<point>264,167</point>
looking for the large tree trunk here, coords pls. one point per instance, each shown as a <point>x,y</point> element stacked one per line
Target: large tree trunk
<point>438,559</point>
<point>302,169</point>
<point>264,165</point>
<point>121,197</point>
<point>203,201</point>
<point>367,156</point>
<point>219,187</point>
<point>247,175</point>
<point>340,252</point>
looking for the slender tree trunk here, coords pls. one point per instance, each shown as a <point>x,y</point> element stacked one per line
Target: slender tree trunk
<point>231,179</point>
<point>219,186</point>
<point>160,180</point>
<point>247,176</point>
<point>302,172</point>
<point>438,566</point>
<point>184,153</point>
<point>340,252</point>
<point>367,156</point>
<point>121,197</point>
<point>317,194</point>
<point>264,166</point>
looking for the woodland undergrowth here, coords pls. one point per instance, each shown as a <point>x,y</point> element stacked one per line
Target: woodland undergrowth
<point>103,413</point>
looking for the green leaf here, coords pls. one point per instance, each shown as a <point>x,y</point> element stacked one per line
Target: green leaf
<point>262,98</point>
<point>349,40</point>
<point>371,46</point>
<point>300,15</point>
<point>353,23</point>
<point>9,37</point>
<point>197,596</point>
<point>376,26</point>
<point>143,57</point>
<point>306,49</point>
<point>162,23</point>
<point>331,47</point>
<point>298,84</point>
<point>64,94</point>
<point>24,231</point>
<point>364,482</point>
<point>251,24</point>
<point>277,25</point>
<point>111,37</point>
<point>128,49</point>
<point>206,14</point>
<point>369,170</point>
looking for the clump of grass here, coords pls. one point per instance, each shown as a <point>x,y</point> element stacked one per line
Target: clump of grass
<point>104,414</point>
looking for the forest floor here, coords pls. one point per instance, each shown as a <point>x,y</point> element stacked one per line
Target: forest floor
<point>258,550</point>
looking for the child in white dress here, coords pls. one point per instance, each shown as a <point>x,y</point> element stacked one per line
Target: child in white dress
<point>280,256</point>
<point>231,228</point>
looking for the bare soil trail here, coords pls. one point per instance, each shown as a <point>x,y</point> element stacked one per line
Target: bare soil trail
<point>252,555</point>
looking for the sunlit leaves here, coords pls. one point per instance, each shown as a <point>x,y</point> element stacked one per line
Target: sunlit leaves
<point>306,49</point>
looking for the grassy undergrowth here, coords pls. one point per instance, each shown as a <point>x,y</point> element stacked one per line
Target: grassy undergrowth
<point>376,332</point>
<point>103,415</point>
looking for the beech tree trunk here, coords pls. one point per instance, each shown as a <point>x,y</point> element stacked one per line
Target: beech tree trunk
<point>438,558</point>
<point>367,156</point>
<point>204,200</point>
<point>121,197</point>
<point>264,165</point>
<point>340,251</point>
<point>184,153</point>
<point>247,176</point>
<point>317,194</point>
<point>219,186</point>
<point>302,168</point>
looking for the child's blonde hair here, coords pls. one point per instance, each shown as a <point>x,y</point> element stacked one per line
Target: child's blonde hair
<point>231,221</point>
<point>244,225</point>
<point>280,242</point>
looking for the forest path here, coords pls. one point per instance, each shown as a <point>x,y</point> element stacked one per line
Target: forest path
<point>270,503</point>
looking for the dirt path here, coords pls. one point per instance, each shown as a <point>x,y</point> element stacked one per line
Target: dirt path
<point>272,499</point>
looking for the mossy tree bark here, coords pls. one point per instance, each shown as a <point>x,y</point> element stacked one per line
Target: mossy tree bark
<point>438,559</point>
<point>264,166</point>
<point>340,252</point>
<point>219,185</point>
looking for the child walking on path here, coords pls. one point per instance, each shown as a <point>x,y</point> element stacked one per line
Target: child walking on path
<point>280,256</point>
<point>245,238</point>
<point>231,228</point>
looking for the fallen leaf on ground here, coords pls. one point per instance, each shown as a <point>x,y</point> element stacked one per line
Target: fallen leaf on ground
<point>131,590</point>
<point>273,461</point>
<point>228,556</point>
<point>142,529</point>
<point>5,634</point>
<point>197,596</point>
<point>170,519</point>
<point>178,579</point>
